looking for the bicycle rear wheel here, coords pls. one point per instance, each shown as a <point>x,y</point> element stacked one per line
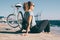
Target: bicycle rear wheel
<point>12,21</point>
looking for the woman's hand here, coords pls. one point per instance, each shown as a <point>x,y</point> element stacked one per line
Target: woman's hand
<point>25,34</point>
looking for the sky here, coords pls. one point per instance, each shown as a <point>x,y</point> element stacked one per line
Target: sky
<point>48,9</point>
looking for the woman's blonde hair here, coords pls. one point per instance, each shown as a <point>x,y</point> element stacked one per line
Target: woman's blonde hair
<point>25,6</point>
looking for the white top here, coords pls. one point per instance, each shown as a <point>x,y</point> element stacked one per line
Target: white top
<point>33,19</point>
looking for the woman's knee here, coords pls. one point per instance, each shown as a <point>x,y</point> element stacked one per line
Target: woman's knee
<point>45,20</point>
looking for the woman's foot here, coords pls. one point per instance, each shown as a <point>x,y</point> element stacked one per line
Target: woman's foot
<point>47,32</point>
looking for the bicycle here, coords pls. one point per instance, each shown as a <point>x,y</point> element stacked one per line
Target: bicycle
<point>14,20</point>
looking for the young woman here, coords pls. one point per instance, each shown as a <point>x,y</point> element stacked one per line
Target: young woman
<point>30,22</point>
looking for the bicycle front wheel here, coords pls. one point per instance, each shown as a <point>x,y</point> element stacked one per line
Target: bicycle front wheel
<point>12,21</point>
<point>20,19</point>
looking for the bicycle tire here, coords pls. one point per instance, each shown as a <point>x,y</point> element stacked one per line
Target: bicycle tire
<point>11,22</point>
<point>20,19</point>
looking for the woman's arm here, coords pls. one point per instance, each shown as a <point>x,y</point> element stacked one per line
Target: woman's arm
<point>29,21</point>
<point>28,27</point>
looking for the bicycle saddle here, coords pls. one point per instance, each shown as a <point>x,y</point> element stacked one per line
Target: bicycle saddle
<point>18,5</point>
